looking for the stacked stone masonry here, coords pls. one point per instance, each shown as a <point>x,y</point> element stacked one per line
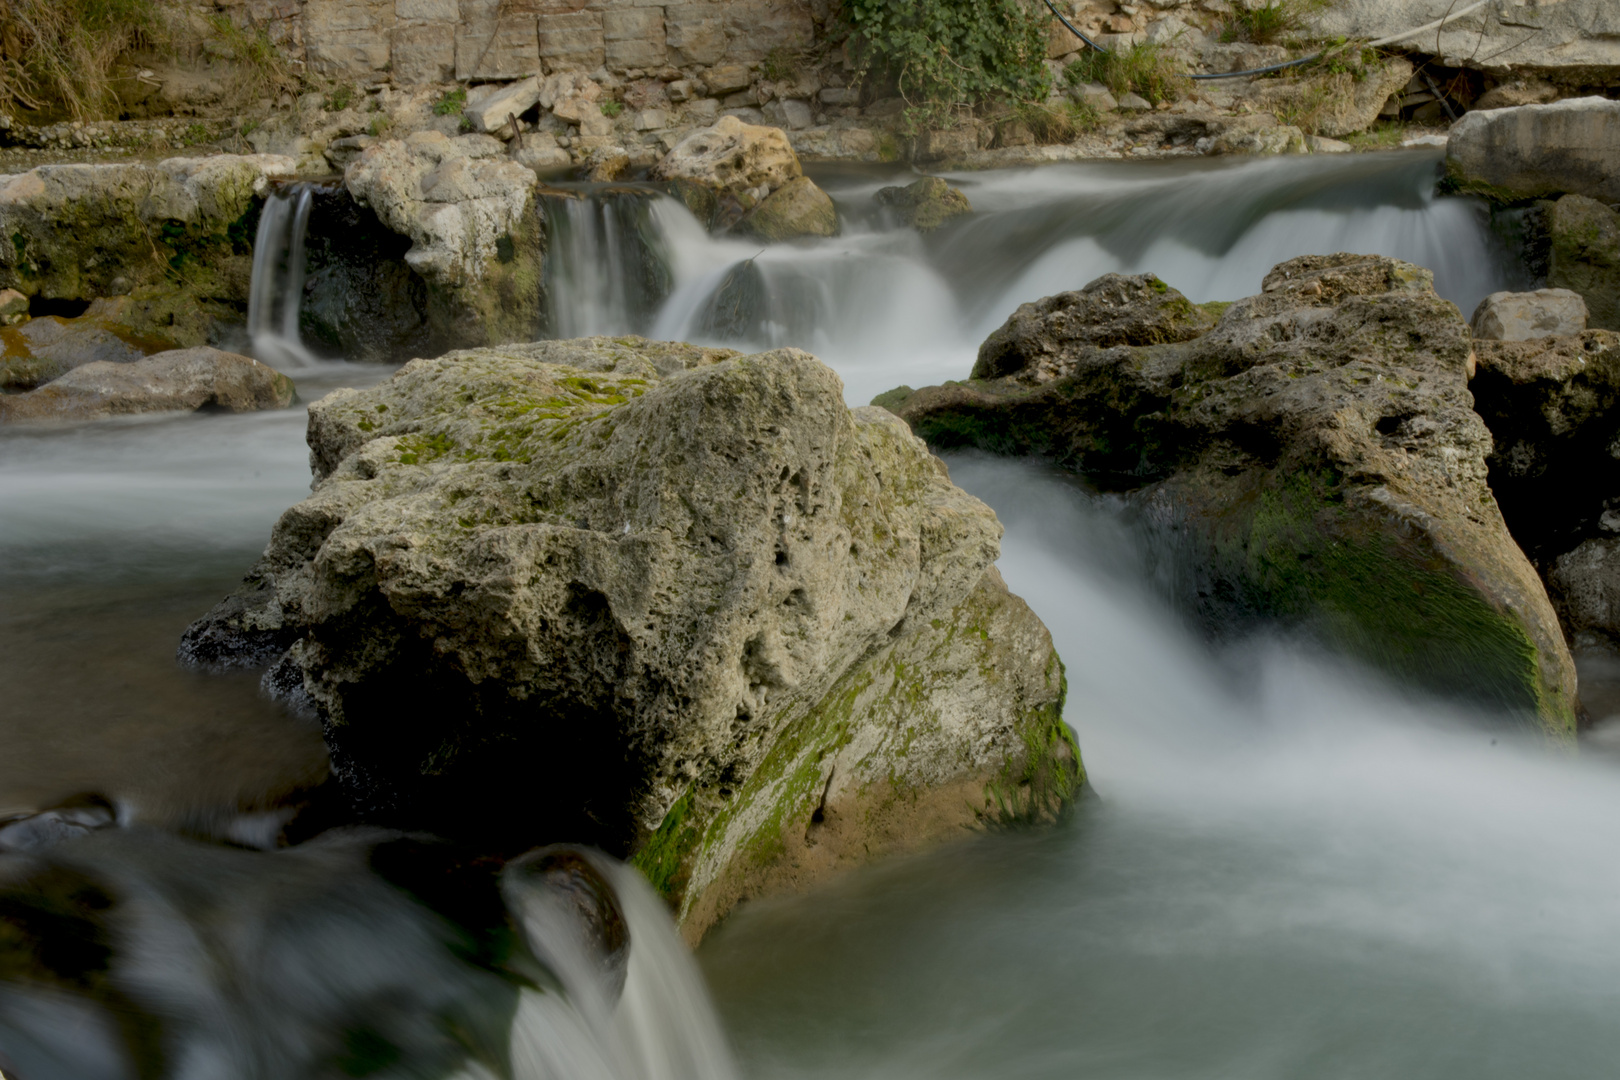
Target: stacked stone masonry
<point>425,41</point>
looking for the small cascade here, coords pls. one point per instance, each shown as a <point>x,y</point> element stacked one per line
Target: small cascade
<point>276,294</point>
<point>609,265</point>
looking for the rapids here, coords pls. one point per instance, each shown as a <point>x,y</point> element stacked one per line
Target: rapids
<point>1283,867</point>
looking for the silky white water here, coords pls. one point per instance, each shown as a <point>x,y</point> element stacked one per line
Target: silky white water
<point>1283,868</point>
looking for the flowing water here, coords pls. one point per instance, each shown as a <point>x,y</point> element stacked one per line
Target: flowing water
<point>1283,868</point>
<point>276,293</point>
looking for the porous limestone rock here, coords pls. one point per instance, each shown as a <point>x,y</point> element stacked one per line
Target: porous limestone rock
<point>1585,586</point>
<point>42,349</point>
<point>1584,255</point>
<point>571,96</point>
<point>734,156</point>
<point>673,601</point>
<point>1313,457</point>
<point>475,230</point>
<point>1534,151</point>
<point>797,208</point>
<point>926,204</point>
<point>175,236</point>
<point>1511,316</point>
<point>179,380</point>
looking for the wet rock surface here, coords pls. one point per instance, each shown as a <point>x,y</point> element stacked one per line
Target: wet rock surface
<point>181,380</point>
<point>39,350</point>
<point>669,600</point>
<point>1317,458</point>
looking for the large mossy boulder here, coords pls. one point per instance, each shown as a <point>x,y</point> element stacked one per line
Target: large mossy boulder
<point>926,204</point>
<point>1313,455</point>
<point>676,602</point>
<point>746,178</point>
<point>173,239</point>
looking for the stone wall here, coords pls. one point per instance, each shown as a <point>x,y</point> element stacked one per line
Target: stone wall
<point>411,42</point>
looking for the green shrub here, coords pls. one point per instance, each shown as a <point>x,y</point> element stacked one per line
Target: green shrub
<point>1144,69</point>
<point>341,97</point>
<point>451,102</point>
<point>379,126</point>
<point>1271,22</point>
<point>945,55</point>
<point>1060,123</point>
<point>779,63</point>
<point>260,68</point>
<point>612,108</point>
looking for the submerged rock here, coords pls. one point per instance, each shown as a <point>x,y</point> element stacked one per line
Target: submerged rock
<point>1509,316</point>
<point>664,599</point>
<point>475,230</point>
<point>1315,456</point>
<point>926,204</point>
<point>1534,151</point>
<point>179,380</point>
<point>1585,254</point>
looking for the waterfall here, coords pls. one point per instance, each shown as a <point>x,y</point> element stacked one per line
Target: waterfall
<point>884,305</point>
<point>608,266</point>
<point>276,293</point>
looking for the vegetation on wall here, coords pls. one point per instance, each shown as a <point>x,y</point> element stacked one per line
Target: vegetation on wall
<point>1144,69</point>
<point>1270,22</point>
<point>62,54</point>
<point>947,55</point>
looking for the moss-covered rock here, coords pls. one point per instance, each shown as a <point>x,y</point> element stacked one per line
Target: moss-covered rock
<point>673,601</point>
<point>1585,256</point>
<point>177,237</point>
<point>42,349</point>
<point>1316,459</point>
<point>926,204</point>
<point>797,208</point>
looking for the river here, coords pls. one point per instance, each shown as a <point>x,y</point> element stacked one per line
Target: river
<point>1282,868</point>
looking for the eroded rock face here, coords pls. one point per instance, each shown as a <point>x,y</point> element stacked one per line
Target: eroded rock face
<point>1509,316</point>
<point>179,380</point>
<point>175,238</point>
<point>1316,455</point>
<point>1534,151</point>
<point>668,600</point>
<point>475,230</point>
<point>1573,37</point>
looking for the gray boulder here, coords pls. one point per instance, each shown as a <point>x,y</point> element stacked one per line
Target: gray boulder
<point>1313,458</point>
<point>1585,584</point>
<point>1534,151</point>
<point>797,208</point>
<point>673,601</point>
<point>1577,38</point>
<point>180,380</point>
<point>1510,316</point>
